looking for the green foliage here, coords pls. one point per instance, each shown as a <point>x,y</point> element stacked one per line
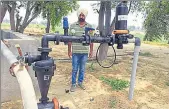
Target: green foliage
<point>136,6</point>
<point>167,83</point>
<point>147,54</point>
<point>116,84</point>
<point>156,22</point>
<point>58,9</point>
<point>113,103</point>
<point>139,34</point>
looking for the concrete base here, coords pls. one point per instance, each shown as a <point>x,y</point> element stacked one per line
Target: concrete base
<point>9,86</point>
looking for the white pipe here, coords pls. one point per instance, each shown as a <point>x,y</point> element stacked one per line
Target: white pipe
<point>24,80</point>
<point>26,87</point>
<point>8,54</point>
<point>133,73</point>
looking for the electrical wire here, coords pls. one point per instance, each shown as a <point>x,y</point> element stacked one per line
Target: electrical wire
<point>98,60</point>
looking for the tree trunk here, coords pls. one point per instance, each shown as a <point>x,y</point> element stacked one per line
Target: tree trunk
<point>27,18</point>
<point>112,26</point>
<point>108,18</point>
<point>24,25</point>
<point>3,10</point>
<point>104,47</point>
<point>101,18</point>
<point>21,29</point>
<point>48,22</point>
<point>18,22</point>
<point>12,15</point>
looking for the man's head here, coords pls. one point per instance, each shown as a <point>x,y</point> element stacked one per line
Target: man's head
<point>82,14</point>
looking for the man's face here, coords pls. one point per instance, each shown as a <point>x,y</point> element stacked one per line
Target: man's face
<point>81,17</point>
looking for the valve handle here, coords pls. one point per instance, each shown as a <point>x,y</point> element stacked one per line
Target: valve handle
<point>20,53</point>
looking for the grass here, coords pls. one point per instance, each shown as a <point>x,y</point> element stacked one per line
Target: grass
<point>157,43</point>
<point>116,84</point>
<point>147,54</point>
<point>113,103</point>
<point>91,67</point>
<point>167,83</point>
<point>36,29</point>
<point>138,34</point>
<point>141,36</point>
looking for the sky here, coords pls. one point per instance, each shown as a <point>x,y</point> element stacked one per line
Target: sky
<point>92,17</point>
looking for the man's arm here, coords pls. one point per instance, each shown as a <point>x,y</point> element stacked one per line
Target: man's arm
<point>70,44</point>
<point>69,49</point>
<point>91,50</point>
<point>91,44</point>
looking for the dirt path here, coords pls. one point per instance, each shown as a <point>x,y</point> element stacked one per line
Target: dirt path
<point>151,90</point>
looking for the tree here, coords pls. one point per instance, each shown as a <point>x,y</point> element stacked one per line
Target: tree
<point>33,9</point>
<point>133,6</point>
<point>3,9</point>
<point>53,11</point>
<point>105,9</point>
<point>155,13</point>
<point>156,22</point>
<point>10,6</point>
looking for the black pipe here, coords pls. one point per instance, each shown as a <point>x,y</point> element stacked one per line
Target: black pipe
<point>45,44</point>
<point>32,58</point>
<point>62,38</point>
<point>46,38</point>
<point>81,39</point>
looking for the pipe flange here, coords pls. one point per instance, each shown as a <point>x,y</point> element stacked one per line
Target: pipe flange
<point>87,40</point>
<point>56,42</point>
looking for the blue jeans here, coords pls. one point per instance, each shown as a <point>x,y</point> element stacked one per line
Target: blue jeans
<point>78,64</point>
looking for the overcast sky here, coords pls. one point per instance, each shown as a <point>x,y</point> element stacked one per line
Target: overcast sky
<point>92,17</point>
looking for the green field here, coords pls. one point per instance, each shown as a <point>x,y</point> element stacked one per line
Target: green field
<point>34,28</point>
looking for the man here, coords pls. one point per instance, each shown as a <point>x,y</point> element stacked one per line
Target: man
<point>79,52</point>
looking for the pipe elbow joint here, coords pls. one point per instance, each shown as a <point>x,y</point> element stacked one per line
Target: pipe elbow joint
<point>137,41</point>
<point>44,41</point>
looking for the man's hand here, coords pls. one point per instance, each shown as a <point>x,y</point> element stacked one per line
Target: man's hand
<point>70,54</point>
<point>90,54</point>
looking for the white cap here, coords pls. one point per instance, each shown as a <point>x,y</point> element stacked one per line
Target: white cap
<point>82,10</point>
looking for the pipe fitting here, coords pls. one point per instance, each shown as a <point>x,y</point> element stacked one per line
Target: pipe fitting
<point>137,41</point>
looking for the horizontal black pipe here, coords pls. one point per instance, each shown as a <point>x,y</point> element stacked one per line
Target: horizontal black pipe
<point>79,39</point>
<point>32,58</point>
<point>46,38</point>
